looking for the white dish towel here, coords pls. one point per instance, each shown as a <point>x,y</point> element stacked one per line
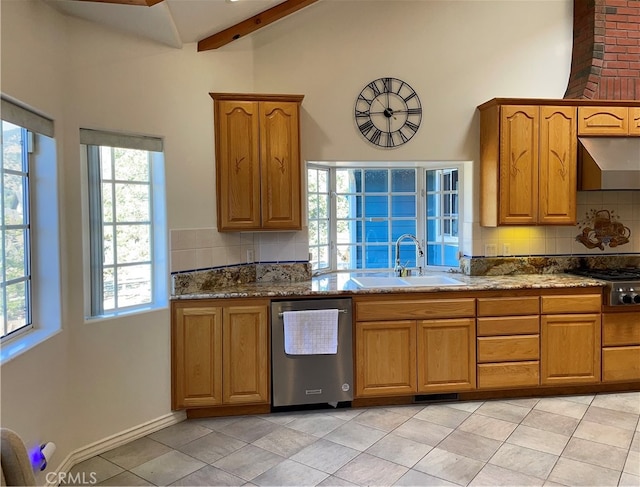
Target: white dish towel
<point>311,332</point>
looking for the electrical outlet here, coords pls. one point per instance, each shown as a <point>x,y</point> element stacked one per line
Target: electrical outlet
<point>250,256</point>
<point>506,249</point>
<point>490,250</point>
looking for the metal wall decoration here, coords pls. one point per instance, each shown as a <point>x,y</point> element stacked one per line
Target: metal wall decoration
<point>601,228</point>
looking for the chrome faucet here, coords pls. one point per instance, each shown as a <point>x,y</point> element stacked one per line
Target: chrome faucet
<point>399,269</point>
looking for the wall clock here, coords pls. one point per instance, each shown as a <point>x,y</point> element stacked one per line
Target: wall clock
<point>388,112</point>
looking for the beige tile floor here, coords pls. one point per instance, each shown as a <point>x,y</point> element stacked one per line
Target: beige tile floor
<point>591,440</point>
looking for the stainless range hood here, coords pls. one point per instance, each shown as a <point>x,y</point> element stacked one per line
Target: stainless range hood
<point>609,163</point>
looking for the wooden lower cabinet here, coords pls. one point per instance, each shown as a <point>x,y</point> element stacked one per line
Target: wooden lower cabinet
<point>197,357</point>
<point>219,354</point>
<point>620,346</point>
<point>245,357</point>
<point>570,349</point>
<point>446,355</point>
<point>385,358</point>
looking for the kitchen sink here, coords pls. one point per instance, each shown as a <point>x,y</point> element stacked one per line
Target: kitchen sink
<point>369,282</point>
<point>431,281</point>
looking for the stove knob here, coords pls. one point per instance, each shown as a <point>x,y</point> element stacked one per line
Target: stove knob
<point>626,299</point>
<point>636,298</point>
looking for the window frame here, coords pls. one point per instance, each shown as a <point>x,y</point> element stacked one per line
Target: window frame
<point>45,261</point>
<point>421,217</point>
<point>91,143</point>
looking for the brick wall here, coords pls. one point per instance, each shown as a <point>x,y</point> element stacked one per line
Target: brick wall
<point>605,63</point>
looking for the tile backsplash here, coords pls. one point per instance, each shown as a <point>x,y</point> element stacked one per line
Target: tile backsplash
<point>622,206</point>
<point>205,248</point>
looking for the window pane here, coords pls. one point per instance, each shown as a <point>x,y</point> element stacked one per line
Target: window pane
<point>432,205</point>
<point>403,180</point>
<point>323,257</point>
<point>131,164</point>
<point>323,181</point>
<point>408,255</point>
<point>16,306</point>
<point>376,181</point>
<point>108,284</point>
<point>106,162</point>
<point>12,157</point>
<point>107,237</point>
<point>377,257</point>
<point>431,180</point>
<point>134,285</point>
<point>15,254</point>
<point>312,180</point>
<point>400,227</point>
<point>434,254</point>
<point>14,204</point>
<point>349,231</point>
<point>376,206</point>
<point>133,243</point>
<point>376,231</point>
<point>132,202</point>
<point>107,203</point>
<point>344,257</point>
<point>451,255</point>
<point>403,206</point>
<point>323,232</point>
<point>313,233</point>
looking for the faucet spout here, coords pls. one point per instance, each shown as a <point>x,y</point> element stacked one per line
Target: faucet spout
<point>398,269</point>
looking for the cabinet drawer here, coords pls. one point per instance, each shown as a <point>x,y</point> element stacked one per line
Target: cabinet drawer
<point>634,120</point>
<point>508,374</point>
<point>620,363</point>
<point>503,349</point>
<point>603,121</point>
<point>580,303</point>
<point>620,329</point>
<point>415,309</point>
<point>526,305</point>
<point>509,325</point>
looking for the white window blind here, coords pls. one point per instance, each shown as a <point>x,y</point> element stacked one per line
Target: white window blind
<point>18,115</point>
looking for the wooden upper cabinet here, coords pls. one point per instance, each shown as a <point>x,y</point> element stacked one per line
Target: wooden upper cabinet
<point>603,121</point>
<point>558,165</point>
<point>258,174</point>
<point>528,165</point>
<point>519,165</point>
<point>280,165</point>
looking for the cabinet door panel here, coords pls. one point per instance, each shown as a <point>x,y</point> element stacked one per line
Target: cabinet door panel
<point>570,349</point>
<point>385,358</point>
<point>519,165</point>
<point>237,165</point>
<point>621,329</point>
<point>446,355</point>
<point>246,360</point>
<point>508,348</point>
<point>197,357</point>
<point>280,165</point>
<point>558,165</point>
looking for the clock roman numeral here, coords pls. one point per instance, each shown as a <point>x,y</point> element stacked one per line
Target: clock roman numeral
<point>403,137</point>
<point>365,99</point>
<point>387,83</point>
<point>412,126</point>
<point>366,127</point>
<point>402,83</point>
<point>390,142</point>
<point>414,111</point>
<point>375,138</point>
<point>361,114</point>
<point>374,87</point>
<point>412,95</point>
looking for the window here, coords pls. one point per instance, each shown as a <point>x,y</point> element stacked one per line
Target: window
<point>30,294</point>
<point>356,215</point>
<point>127,236</point>
<point>15,240</point>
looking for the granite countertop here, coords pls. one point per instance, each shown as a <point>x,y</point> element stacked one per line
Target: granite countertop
<point>340,283</point>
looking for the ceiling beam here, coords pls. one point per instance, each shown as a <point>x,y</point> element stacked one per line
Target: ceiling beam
<point>144,3</point>
<point>252,24</point>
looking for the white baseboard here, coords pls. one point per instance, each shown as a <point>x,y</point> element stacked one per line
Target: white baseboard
<point>114,441</point>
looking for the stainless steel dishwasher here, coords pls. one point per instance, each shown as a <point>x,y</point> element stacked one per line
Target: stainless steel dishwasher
<point>311,379</point>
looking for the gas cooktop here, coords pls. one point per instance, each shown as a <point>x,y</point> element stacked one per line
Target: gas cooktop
<point>623,284</point>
